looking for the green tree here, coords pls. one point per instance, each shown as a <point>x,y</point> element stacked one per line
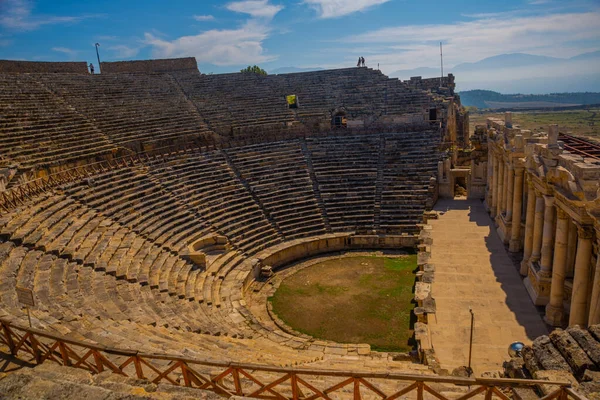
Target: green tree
<point>255,69</point>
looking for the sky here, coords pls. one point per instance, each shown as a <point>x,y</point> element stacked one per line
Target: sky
<point>227,36</point>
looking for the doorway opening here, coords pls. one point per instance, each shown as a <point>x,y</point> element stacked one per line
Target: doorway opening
<point>339,120</point>
<point>460,187</point>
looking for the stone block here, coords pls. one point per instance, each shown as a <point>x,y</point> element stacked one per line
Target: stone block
<point>572,353</point>
<point>588,344</point>
<point>548,356</point>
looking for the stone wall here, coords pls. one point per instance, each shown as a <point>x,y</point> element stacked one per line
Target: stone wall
<point>13,67</point>
<point>148,66</point>
<point>432,84</point>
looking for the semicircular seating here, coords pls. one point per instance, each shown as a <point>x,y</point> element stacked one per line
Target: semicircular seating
<point>106,256</point>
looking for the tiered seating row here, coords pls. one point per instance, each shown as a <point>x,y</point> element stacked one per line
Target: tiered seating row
<point>133,110</point>
<point>206,184</point>
<point>136,200</point>
<point>244,100</point>
<point>278,175</point>
<point>102,255</point>
<point>229,101</point>
<point>346,173</point>
<point>410,163</point>
<point>84,304</point>
<point>37,128</point>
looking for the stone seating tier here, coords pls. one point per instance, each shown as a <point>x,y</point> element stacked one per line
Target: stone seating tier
<point>228,101</point>
<point>103,254</point>
<point>38,128</point>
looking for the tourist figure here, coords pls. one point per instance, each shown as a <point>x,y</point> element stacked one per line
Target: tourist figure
<point>362,59</point>
<point>359,60</point>
<point>91,68</point>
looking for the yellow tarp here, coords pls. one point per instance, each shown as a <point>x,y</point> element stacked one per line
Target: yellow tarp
<point>291,99</point>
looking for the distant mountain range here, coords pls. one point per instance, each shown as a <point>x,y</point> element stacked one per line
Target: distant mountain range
<point>491,99</point>
<point>521,73</point>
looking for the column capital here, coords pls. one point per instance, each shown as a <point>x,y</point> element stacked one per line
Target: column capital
<point>519,169</point>
<point>584,231</point>
<point>561,214</point>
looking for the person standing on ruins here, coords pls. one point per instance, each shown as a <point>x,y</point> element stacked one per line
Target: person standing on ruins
<point>359,60</point>
<point>91,68</point>
<point>362,59</point>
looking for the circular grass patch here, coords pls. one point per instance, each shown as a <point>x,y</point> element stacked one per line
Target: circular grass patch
<point>364,299</point>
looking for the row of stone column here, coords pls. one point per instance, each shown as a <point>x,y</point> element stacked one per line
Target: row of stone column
<point>505,190</point>
<point>584,278</point>
<point>550,240</point>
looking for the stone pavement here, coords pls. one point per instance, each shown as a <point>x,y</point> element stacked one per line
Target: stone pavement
<point>474,270</point>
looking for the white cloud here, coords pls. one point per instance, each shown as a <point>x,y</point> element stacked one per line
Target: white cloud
<point>255,8</point>
<point>240,46</point>
<point>339,8</point>
<point>410,46</point>
<point>17,15</point>
<point>203,18</point>
<point>65,50</point>
<point>122,51</point>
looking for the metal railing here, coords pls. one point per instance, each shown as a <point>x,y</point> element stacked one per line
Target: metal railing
<point>252,380</point>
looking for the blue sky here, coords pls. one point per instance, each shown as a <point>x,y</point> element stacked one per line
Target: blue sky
<point>225,36</point>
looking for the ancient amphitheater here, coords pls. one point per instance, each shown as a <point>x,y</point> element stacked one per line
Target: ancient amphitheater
<point>145,211</point>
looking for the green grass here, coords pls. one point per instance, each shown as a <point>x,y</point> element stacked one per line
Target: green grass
<point>352,300</point>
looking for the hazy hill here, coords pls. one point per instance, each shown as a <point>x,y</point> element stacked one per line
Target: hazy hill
<point>519,72</point>
<point>491,99</point>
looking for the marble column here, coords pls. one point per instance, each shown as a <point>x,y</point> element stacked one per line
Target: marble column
<point>529,218</point>
<point>594,317</point>
<point>538,226</point>
<point>581,280</point>
<point>510,190</point>
<point>494,205</point>
<point>489,179</point>
<point>504,189</point>
<point>571,249</point>
<point>555,308</point>
<point>547,237</point>
<point>500,186</point>
<point>517,205</point>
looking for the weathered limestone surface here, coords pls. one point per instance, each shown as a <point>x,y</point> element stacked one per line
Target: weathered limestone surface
<point>547,355</point>
<point>9,66</point>
<point>590,346</point>
<point>149,66</point>
<point>595,331</point>
<point>531,363</point>
<point>573,354</point>
<point>50,381</point>
<point>557,376</point>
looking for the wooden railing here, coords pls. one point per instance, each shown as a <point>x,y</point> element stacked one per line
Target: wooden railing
<point>251,380</point>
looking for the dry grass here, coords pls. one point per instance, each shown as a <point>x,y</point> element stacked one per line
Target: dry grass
<point>584,123</point>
